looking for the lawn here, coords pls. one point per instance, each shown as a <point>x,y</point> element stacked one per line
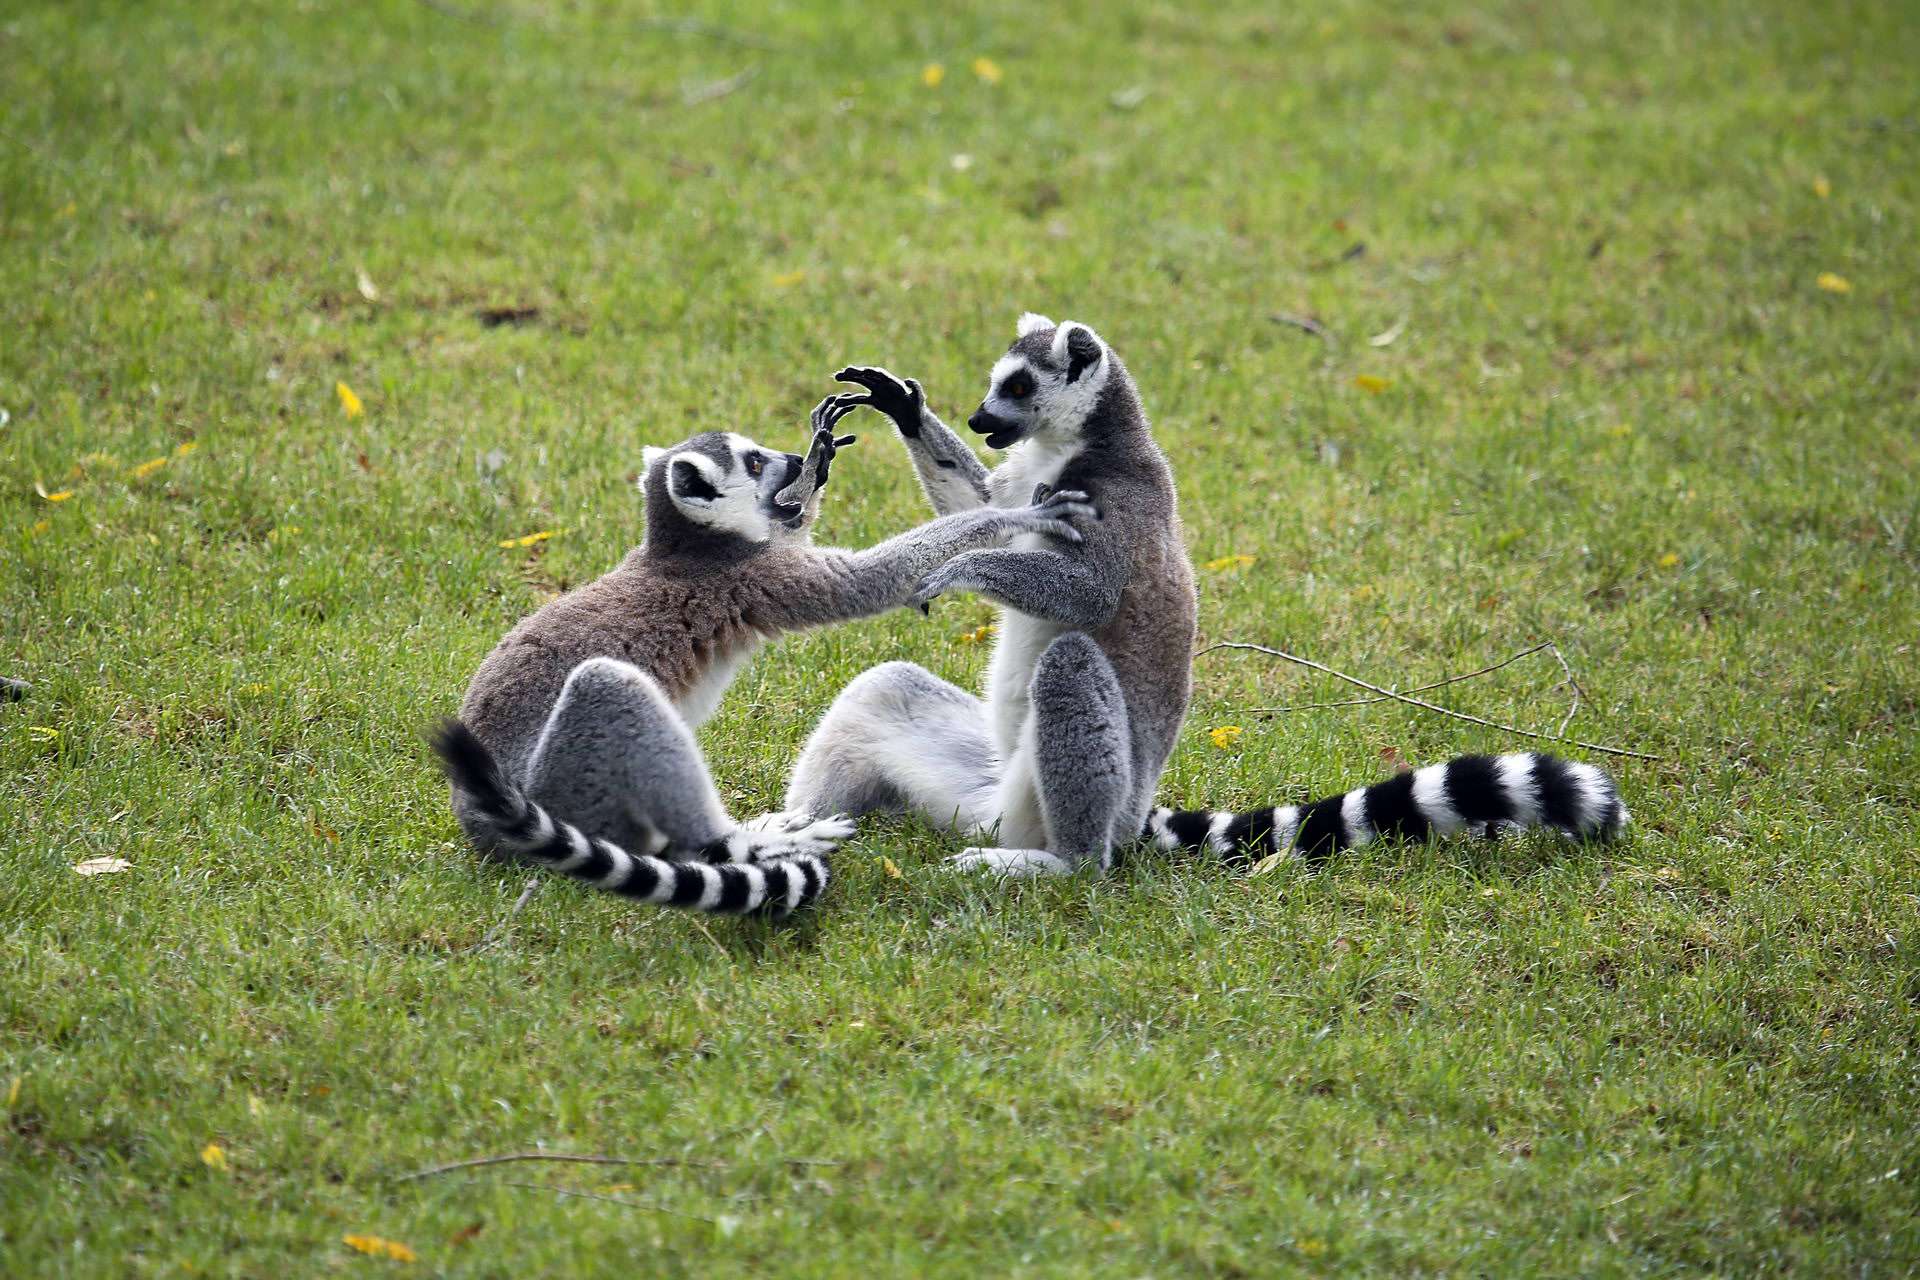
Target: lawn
<point>1465,327</point>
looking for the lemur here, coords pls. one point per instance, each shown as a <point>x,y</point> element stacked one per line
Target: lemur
<point>1089,681</point>
<point>574,746</point>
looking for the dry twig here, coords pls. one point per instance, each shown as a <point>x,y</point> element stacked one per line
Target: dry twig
<point>498,931</point>
<point>565,1157</point>
<point>594,1195</point>
<point>1433,706</point>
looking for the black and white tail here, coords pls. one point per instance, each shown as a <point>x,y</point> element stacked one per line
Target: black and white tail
<point>1482,795</point>
<point>712,879</point>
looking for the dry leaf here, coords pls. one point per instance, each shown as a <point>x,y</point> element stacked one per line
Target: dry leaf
<point>255,1107</point>
<point>467,1232</point>
<point>1369,382</point>
<point>102,866</point>
<point>1832,283</point>
<point>349,401</point>
<point>1393,331</point>
<point>365,284</point>
<point>13,1091</point>
<point>932,74</point>
<point>1266,865</point>
<point>213,1157</point>
<point>380,1247</point>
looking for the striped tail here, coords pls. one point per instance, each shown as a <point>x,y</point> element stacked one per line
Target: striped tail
<point>714,883</point>
<point>1479,794</point>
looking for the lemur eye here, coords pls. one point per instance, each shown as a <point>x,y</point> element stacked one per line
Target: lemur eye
<point>1016,388</point>
<point>755,464</point>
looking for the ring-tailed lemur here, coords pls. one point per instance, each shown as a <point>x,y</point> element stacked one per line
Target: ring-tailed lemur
<point>575,748</point>
<point>1089,681</point>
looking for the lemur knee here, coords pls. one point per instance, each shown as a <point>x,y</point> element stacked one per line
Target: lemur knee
<point>1072,671</point>
<point>604,673</point>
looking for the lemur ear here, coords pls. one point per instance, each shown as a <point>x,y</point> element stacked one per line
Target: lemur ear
<point>1031,320</point>
<point>688,481</point>
<point>650,455</point>
<point>1078,348</point>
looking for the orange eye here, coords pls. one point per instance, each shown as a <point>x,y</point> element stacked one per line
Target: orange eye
<point>755,465</point>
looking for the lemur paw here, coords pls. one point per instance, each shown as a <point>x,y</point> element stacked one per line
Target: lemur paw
<point>784,820</point>
<point>792,835</point>
<point>899,398</point>
<point>1012,863</point>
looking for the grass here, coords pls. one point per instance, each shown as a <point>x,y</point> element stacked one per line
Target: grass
<point>1620,413</point>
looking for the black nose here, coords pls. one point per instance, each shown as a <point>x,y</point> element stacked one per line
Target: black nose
<point>985,423</point>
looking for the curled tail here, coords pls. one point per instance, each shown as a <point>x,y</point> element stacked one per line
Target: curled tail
<point>1479,794</point>
<point>712,881</point>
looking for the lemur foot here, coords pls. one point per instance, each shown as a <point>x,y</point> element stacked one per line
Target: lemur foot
<point>1020,863</point>
<point>774,836</point>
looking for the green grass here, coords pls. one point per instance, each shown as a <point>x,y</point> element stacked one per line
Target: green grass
<point>1620,414</point>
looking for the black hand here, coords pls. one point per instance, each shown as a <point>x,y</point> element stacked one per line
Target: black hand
<point>899,399</point>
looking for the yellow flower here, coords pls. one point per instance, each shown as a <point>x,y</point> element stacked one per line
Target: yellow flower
<point>213,1157</point>
<point>281,532</point>
<point>979,635</point>
<point>349,401</point>
<point>932,74</point>
<point>987,69</point>
<point>378,1247</point>
<point>788,279</point>
<point>1225,735</point>
<point>530,538</point>
<point>1669,560</point>
<point>1370,382</point>
<point>1832,283</point>
<point>1821,187</point>
<point>1228,562</point>
<point>185,447</point>
<point>147,468</point>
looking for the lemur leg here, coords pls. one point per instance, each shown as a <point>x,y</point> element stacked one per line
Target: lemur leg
<point>900,739</point>
<point>616,759</point>
<point>1081,768</point>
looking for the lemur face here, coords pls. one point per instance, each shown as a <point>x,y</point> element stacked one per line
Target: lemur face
<point>1046,386</point>
<point>726,482</point>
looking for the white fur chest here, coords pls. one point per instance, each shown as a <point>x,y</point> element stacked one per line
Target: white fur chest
<point>703,698</point>
<point>1030,463</point>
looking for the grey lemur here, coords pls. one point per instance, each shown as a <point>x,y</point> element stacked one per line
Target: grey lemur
<point>1089,680</point>
<point>574,747</point>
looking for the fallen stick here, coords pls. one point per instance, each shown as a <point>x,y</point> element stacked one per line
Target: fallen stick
<point>1425,705</point>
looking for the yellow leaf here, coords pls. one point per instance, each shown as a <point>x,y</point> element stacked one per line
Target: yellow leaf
<point>13,1090</point>
<point>213,1157</point>
<point>102,866</point>
<point>147,468</point>
<point>379,1247</point>
<point>530,538</point>
<point>1620,432</point>
<point>1312,1248</point>
<point>43,733</point>
<point>788,279</point>
<point>185,447</point>
<point>1228,562</point>
<point>41,526</point>
<point>932,74</point>
<point>1669,560</point>
<point>58,496</point>
<point>1821,187</point>
<point>1832,283</point>
<point>987,69</point>
<point>1225,735</point>
<point>891,867</point>
<point>1370,382</point>
<point>349,401</point>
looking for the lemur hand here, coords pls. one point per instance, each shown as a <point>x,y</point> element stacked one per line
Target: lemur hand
<point>1055,517</point>
<point>825,444</point>
<point>1053,514</point>
<point>899,399</point>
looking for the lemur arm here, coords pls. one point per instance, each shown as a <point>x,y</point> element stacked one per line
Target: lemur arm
<point>828,585</point>
<point>952,475</point>
<point>1073,590</point>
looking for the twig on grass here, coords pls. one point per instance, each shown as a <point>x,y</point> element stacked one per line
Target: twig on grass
<point>1437,684</point>
<point>1306,324</point>
<point>717,89</point>
<point>649,1206</point>
<point>567,1157</point>
<point>674,26</point>
<point>1421,703</point>
<point>562,1157</point>
<point>498,931</point>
